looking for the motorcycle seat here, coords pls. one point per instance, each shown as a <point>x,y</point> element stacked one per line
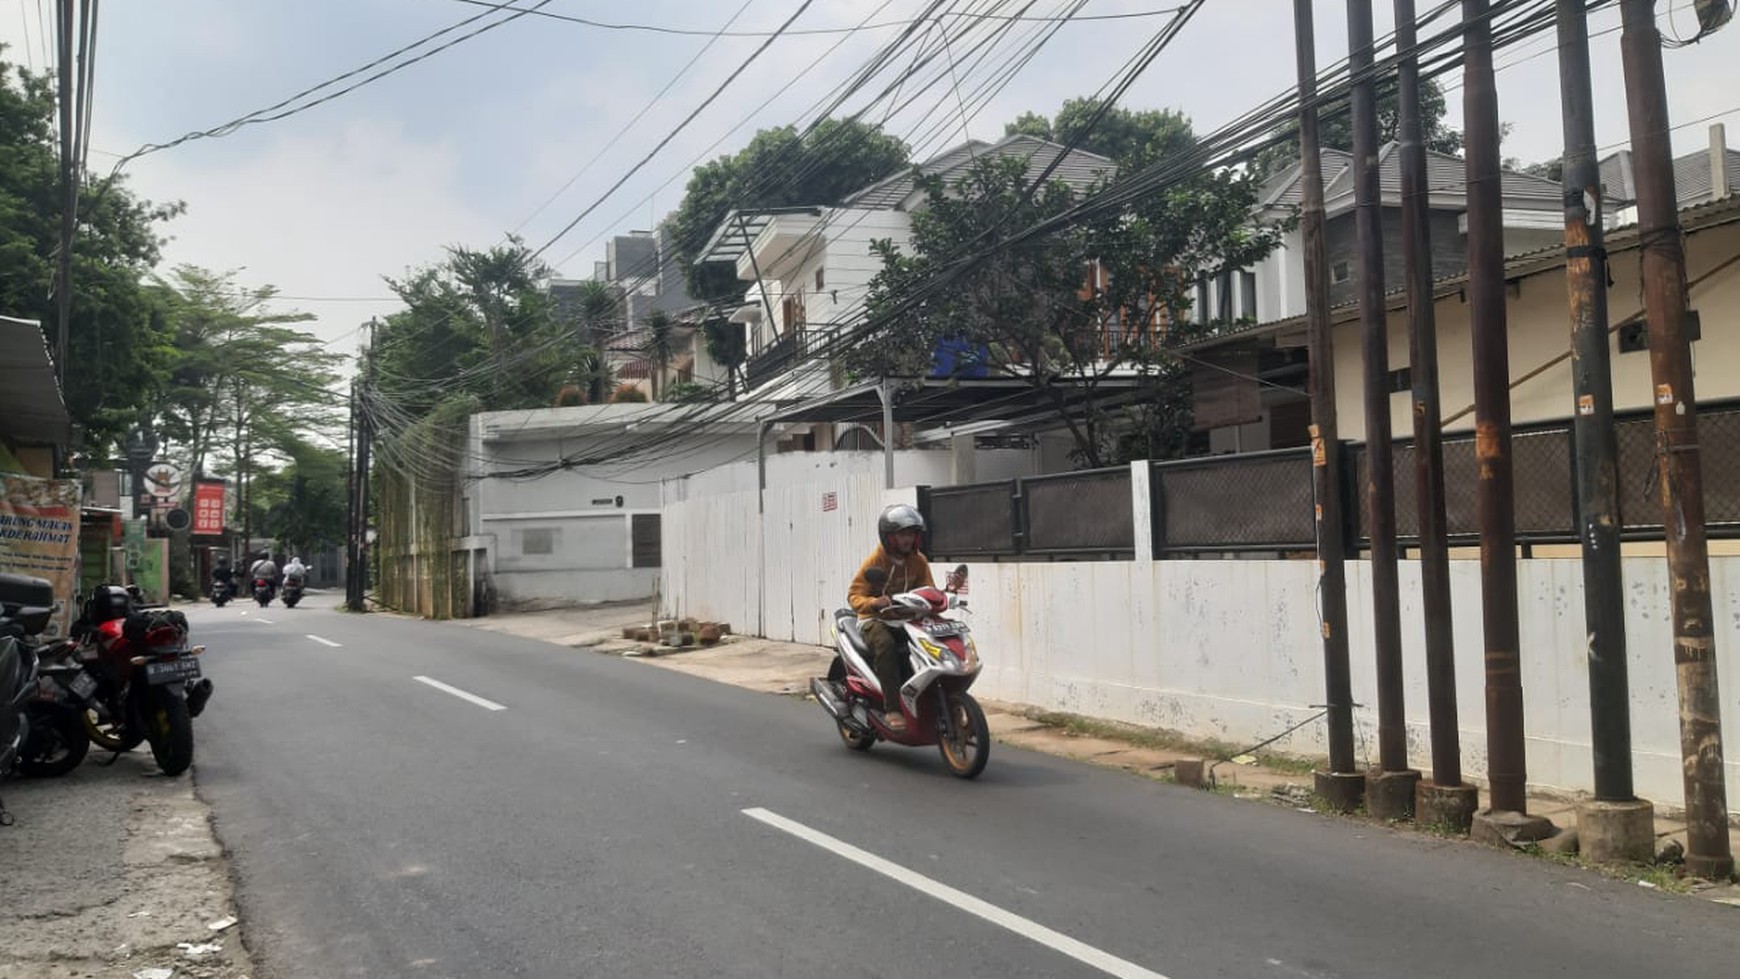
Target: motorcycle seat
<point>847,622</point>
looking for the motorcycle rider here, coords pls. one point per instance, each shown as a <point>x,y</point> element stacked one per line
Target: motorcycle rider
<point>223,575</point>
<point>901,531</point>
<point>295,571</point>
<point>264,568</point>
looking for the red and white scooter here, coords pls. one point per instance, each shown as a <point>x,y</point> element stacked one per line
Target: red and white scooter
<point>934,701</point>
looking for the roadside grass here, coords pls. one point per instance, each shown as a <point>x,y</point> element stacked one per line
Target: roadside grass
<point>1145,737</point>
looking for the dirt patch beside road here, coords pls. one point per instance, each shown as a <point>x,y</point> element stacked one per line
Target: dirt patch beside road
<point>111,872</point>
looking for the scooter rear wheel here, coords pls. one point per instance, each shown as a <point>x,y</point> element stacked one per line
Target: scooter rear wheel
<point>854,740</point>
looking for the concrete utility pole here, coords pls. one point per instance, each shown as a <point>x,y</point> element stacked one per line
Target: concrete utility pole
<point>1616,826</point>
<point>1389,791</point>
<point>1678,464</point>
<point>1342,786</point>
<point>1443,800</point>
<point>1507,820</point>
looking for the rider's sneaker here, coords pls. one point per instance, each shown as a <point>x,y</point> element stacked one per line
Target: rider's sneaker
<point>893,721</point>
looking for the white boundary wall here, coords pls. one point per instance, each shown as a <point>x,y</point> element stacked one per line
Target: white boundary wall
<point>1227,649</point>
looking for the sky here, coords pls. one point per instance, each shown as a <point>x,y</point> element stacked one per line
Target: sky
<point>527,125</point>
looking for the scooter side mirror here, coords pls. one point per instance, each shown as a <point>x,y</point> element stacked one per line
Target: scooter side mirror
<point>957,579</point>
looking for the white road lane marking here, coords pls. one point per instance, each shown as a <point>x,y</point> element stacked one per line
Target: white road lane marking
<point>461,694</point>
<point>264,621</point>
<point>326,642</point>
<point>1026,928</point>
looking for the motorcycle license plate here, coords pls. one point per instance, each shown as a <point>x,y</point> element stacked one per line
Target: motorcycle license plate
<point>83,685</point>
<point>171,671</point>
<point>943,630</point>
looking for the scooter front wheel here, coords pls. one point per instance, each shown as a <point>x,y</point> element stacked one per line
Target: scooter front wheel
<point>966,742</point>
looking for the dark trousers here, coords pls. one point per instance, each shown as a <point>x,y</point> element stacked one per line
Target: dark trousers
<point>888,651</point>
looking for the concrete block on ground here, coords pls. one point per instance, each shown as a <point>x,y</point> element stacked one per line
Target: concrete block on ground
<point>1188,771</point>
<point>709,633</point>
<point>1445,807</point>
<point>1340,791</point>
<point>1615,832</point>
<point>1499,827</point>
<point>1390,795</point>
<point>1564,841</point>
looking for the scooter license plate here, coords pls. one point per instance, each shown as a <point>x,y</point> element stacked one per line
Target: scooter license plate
<point>171,671</point>
<point>83,685</point>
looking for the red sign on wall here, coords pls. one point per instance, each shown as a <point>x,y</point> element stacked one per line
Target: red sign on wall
<point>208,508</point>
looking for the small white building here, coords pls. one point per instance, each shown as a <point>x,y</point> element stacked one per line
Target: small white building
<point>557,516</point>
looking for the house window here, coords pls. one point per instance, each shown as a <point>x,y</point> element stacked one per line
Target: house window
<point>645,533</point>
<point>538,540</point>
<point>1248,295</point>
<point>1202,314</point>
<point>1339,272</point>
<point>1224,296</point>
<point>819,280</point>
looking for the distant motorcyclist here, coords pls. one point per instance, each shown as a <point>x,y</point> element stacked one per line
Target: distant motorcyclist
<point>295,571</point>
<point>222,575</point>
<point>901,529</point>
<point>265,570</point>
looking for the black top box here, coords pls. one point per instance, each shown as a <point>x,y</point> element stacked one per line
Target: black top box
<point>19,591</point>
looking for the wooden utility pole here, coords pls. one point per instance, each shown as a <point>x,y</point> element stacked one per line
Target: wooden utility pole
<point>1342,785</point>
<point>1678,465</point>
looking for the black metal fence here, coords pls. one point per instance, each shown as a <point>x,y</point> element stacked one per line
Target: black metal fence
<point>1262,501</point>
<point>1543,459</point>
<point>1086,514</point>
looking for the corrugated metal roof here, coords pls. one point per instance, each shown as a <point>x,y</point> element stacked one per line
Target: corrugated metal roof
<point>31,407</point>
<point>1079,169</point>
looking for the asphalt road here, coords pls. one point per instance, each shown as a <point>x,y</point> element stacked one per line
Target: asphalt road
<point>585,815</point>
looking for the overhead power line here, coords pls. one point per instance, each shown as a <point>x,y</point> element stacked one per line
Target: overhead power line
<point>810,31</point>
<point>288,107</point>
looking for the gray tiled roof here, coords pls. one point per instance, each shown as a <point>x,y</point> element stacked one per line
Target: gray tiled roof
<point>1080,169</point>
<point>1445,176</point>
<point>1282,190</point>
<point>1691,177</point>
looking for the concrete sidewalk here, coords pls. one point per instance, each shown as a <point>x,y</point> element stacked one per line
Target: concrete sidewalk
<point>786,668</point>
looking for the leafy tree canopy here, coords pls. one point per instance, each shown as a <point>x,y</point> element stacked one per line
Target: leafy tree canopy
<point>1133,138</point>
<point>1335,126</point>
<point>779,168</point>
<point>119,344</point>
<point>1051,308</point>
<point>480,324</point>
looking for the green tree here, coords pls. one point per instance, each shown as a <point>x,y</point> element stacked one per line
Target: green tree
<point>1335,126</point>
<point>779,168</point>
<point>661,348</point>
<point>246,386</point>
<point>304,506</point>
<point>119,348</point>
<point>1133,138</point>
<point>1029,303</point>
<point>479,323</point>
<point>728,347</point>
<point>596,316</point>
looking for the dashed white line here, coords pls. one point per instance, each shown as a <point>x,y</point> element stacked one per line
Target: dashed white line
<point>461,694</point>
<point>264,621</point>
<point>1026,928</point>
<point>326,642</point>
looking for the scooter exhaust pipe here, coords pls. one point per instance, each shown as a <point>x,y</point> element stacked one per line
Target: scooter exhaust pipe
<point>826,694</point>
<point>198,692</point>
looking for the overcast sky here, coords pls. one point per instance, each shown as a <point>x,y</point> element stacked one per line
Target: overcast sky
<point>474,142</point>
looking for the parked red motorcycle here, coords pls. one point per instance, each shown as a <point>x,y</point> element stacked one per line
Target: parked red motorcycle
<point>148,683</point>
<point>935,702</point>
